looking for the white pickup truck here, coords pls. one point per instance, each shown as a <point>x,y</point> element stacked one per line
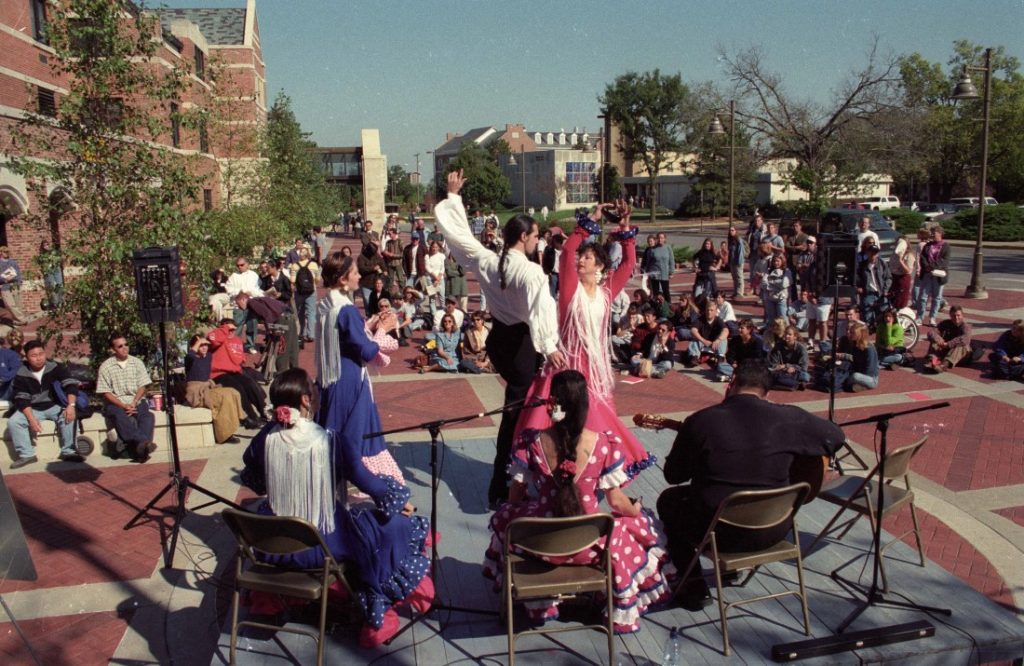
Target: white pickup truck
<point>880,203</point>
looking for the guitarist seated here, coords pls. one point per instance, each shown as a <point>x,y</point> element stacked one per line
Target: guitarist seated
<point>743,443</point>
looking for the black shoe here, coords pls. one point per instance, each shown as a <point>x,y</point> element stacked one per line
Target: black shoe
<point>977,354</point>
<point>22,462</point>
<point>71,457</point>
<point>250,424</point>
<point>143,451</point>
<point>231,440</point>
<point>694,596</point>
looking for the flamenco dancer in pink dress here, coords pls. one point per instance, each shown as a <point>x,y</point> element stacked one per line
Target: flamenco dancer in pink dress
<point>571,467</point>
<point>585,293</point>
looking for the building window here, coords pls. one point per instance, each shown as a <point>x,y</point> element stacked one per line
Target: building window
<point>175,126</point>
<point>39,21</point>
<point>580,185</point>
<point>204,136</point>
<point>200,64</point>
<point>47,102</point>
<point>207,199</point>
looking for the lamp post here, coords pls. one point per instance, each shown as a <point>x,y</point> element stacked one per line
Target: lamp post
<point>716,128</point>
<point>966,90</point>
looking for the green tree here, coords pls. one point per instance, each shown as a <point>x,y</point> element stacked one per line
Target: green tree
<point>400,187</point>
<point>653,113</point>
<point>827,143</point>
<point>710,193</point>
<point>119,188</point>
<point>611,188</point>
<point>486,186</point>
<point>498,148</point>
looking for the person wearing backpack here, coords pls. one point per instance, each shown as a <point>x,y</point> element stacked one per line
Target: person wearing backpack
<point>304,274</point>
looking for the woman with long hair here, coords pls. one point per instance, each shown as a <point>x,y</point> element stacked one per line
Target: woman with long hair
<point>570,466</point>
<point>585,293</point>
<point>299,466</point>
<point>345,345</point>
<point>705,262</point>
<point>445,357</point>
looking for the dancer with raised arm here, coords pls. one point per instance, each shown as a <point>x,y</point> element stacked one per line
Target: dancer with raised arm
<point>585,293</point>
<point>522,311</point>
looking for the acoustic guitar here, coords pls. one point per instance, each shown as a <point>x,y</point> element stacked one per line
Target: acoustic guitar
<point>809,469</point>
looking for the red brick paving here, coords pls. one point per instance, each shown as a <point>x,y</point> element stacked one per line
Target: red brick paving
<point>998,299</point>
<point>82,640</point>
<point>403,404</point>
<point>73,523</point>
<point>1014,513</point>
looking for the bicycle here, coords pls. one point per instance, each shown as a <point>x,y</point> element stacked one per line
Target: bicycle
<point>905,317</point>
<point>273,346</point>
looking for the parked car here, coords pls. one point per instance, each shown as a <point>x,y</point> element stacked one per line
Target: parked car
<point>931,211</point>
<point>972,202</point>
<point>880,203</point>
<point>846,221</point>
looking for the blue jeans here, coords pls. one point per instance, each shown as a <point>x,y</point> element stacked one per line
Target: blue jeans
<point>867,307</point>
<point>930,288</point>
<point>862,379</point>
<point>553,284</point>
<point>306,306</point>
<point>1003,369</point>
<point>661,366</point>
<point>696,348</point>
<point>247,324</point>
<point>773,310</point>
<point>21,437</point>
<point>892,358</point>
<point>132,429</point>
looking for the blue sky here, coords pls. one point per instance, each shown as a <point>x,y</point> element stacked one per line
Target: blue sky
<point>415,69</point>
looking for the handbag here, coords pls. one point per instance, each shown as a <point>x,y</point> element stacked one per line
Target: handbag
<point>646,368</point>
<point>939,273</point>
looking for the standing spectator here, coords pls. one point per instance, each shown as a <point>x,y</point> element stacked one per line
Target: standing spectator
<point>803,266</point>
<point>477,224</point>
<point>370,266</point>
<point>934,260</point>
<point>435,271</point>
<point>295,253</point>
<point>902,267</point>
<point>949,344</point>
<point>455,282</point>
<point>377,293</point>
<point>1007,357</point>
<point>419,231</point>
<point>10,363</point>
<point>737,254</point>
<point>797,244</point>
<point>244,281</point>
<point>864,232</point>
<point>788,361</point>
<point>280,285</point>
<point>52,267</point>
<point>760,264</point>
<point>550,262</point>
<point>663,264</point>
<point>122,381</point>
<point>320,244</point>
<point>10,285</point>
<point>775,240</point>
<point>756,231</point>
<point>414,261</point>
<point>647,263</point>
<point>304,273</point>
<point>873,282</point>
<point>393,258</point>
<point>368,235</point>
<point>775,290</point>
<point>35,399</point>
<point>705,263</point>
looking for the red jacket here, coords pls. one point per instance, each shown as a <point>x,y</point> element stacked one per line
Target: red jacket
<point>227,350</point>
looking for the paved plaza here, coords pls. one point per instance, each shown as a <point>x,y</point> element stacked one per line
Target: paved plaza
<point>103,595</point>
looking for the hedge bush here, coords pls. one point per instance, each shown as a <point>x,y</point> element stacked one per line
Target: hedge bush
<point>1004,222</point>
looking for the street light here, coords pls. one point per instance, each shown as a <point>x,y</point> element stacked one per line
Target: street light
<point>715,128</point>
<point>965,90</point>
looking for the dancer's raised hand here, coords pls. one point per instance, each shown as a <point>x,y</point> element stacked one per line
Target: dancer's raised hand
<point>455,181</point>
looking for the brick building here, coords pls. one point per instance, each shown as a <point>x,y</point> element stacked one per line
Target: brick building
<point>226,39</point>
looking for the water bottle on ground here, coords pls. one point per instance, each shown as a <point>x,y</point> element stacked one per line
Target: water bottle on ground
<point>672,654</point>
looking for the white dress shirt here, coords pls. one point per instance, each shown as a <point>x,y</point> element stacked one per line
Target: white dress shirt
<point>249,282</point>
<point>527,298</point>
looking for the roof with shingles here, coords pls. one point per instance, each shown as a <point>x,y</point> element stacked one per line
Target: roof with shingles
<point>222,25</point>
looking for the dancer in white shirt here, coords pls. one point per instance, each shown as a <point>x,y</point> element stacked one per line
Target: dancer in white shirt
<point>524,315</point>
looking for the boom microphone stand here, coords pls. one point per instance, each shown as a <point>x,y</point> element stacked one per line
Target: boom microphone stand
<point>178,482</point>
<point>434,428</point>
<point>872,595</point>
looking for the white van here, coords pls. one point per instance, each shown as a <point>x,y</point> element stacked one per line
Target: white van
<point>972,201</point>
<point>880,203</point>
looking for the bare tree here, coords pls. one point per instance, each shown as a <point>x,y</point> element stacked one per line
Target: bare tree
<point>819,137</point>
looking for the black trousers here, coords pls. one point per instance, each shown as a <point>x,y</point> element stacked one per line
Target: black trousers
<point>660,286</point>
<point>254,400</point>
<point>513,355</point>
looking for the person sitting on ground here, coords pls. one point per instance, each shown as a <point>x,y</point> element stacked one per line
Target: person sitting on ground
<point>474,346</point>
<point>35,399</point>
<point>643,330</point>
<point>570,467</point>
<point>122,381</point>
<point>622,336</point>
<point>889,342</point>
<point>726,312</point>
<point>659,354</point>
<point>445,355</point>
<point>710,338</point>
<point>218,299</point>
<point>662,308</point>
<point>376,293</point>
<point>450,308</point>
<point>409,315</point>
<point>949,344</point>
<point>856,361</point>
<point>684,317</point>
<point>226,370</point>
<point>730,447</point>
<point>852,314</point>
<point>746,345</point>
<point>300,467</point>
<point>10,363</point>
<point>1007,357</point>
<point>225,404</point>
<point>788,361</point>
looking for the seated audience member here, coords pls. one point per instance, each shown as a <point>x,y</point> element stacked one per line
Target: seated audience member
<point>570,467</point>
<point>410,315</point>
<point>774,333</point>
<point>726,448</point>
<point>710,337</point>
<point>889,342</point>
<point>949,344</point>
<point>244,281</point>
<point>1007,353</point>
<point>662,308</point>
<point>218,299</point>
<point>856,360</point>
<point>622,335</point>
<point>684,317</point>
<point>445,355</point>
<point>122,381</point>
<point>726,312</point>
<point>376,293</point>
<point>451,307</point>
<point>226,370</point>
<point>660,353</point>
<point>788,361</point>
<point>10,363</point>
<point>474,346</point>
<point>619,306</point>
<point>746,345</point>
<point>300,467</point>
<point>224,403</point>
<point>34,399</point>
<point>643,330</point>
<point>842,324</point>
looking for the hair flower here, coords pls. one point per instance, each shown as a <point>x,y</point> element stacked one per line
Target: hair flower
<point>568,466</point>
<point>286,416</point>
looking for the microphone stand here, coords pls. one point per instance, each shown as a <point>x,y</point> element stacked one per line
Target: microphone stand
<point>873,596</point>
<point>434,428</point>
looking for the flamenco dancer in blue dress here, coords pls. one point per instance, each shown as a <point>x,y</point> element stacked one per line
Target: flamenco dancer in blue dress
<point>298,466</point>
<point>346,344</point>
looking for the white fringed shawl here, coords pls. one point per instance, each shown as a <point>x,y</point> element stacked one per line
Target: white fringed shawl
<point>586,333</point>
<point>327,355</point>
<point>300,474</point>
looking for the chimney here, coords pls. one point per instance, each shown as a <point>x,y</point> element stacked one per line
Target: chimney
<point>450,135</point>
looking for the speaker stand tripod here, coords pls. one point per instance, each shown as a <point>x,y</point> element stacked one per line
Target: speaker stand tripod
<point>179,483</point>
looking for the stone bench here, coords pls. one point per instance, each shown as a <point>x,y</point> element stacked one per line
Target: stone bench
<point>195,430</point>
